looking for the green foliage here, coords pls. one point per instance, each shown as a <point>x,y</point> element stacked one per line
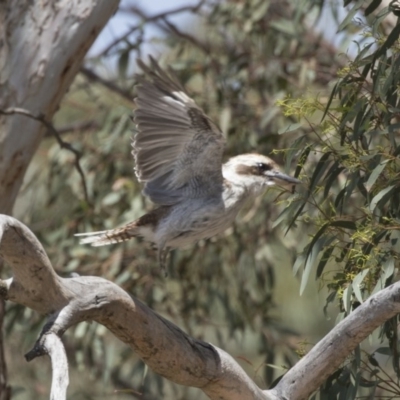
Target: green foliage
<point>352,194</point>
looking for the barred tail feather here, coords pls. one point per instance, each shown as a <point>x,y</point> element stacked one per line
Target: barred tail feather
<point>103,238</point>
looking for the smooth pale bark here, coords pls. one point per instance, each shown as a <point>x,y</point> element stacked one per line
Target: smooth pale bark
<point>328,354</point>
<point>162,345</point>
<point>59,364</point>
<point>42,45</point>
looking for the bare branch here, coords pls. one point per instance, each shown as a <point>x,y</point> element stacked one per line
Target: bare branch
<point>172,28</point>
<point>35,283</point>
<point>92,76</point>
<point>160,344</point>
<point>59,365</point>
<point>76,126</point>
<point>328,354</point>
<point>162,22</point>
<point>64,145</point>
<point>164,347</point>
<point>178,10</point>
<point>50,343</point>
<point>137,11</point>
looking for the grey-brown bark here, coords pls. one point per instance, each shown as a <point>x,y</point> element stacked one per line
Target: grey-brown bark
<point>5,389</point>
<point>42,46</point>
<point>163,346</point>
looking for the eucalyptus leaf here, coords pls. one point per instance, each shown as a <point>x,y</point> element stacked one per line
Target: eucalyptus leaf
<point>350,15</point>
<point>310,262</point>
<point>357,281</point>
<point>380,196</point>
<point>347,293</point>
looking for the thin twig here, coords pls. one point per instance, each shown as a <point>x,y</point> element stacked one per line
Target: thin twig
<point>172,28</point>
<point>91,75</point>
<point>169,27</point>
<point>77,126</point>
<point>116,41</point>
<point>137,11</point>
<point>64,145</point>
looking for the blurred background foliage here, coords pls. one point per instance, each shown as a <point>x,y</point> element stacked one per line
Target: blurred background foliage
<point>279,80</point>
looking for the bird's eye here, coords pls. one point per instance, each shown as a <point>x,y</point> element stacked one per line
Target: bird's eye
<point>262,167</point>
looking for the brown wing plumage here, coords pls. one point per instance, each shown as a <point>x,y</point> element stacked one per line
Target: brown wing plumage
<point>178,149</point>
<point>144,227</point>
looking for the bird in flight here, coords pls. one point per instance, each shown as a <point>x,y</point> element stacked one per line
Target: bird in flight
<point>178,158</point>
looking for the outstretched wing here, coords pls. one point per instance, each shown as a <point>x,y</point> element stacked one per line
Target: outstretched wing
<point>178,149</point>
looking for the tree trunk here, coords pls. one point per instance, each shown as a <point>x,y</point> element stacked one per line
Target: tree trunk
<point>41,50</point>
<point>42,45</point>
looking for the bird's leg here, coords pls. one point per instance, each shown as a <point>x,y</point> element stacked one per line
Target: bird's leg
<point>162,257</point>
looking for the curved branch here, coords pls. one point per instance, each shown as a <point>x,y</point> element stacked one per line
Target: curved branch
<point>329,353</point>
<point>136,11</point>
<point>164,347</point>
<point>35,283</point>
<point>59,364</point>
<point>51,344</point>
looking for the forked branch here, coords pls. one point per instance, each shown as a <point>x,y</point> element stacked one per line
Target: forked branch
<point>53,131</point>
<point>164,347</point>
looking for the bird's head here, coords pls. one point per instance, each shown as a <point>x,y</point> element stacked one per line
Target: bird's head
<point>255,172</point>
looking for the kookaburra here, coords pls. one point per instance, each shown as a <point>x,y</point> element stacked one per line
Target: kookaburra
<point>178,158</point>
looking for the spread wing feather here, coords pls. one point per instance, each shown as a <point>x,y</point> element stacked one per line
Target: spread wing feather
<point>178,149</point>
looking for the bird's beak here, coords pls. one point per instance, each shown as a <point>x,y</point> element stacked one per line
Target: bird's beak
<point>283,178</point>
